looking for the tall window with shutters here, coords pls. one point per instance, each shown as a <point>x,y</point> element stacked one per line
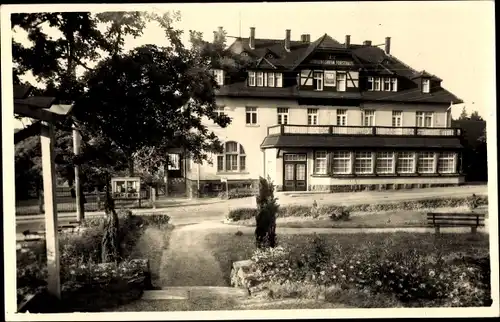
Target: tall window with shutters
<point>233,159</point>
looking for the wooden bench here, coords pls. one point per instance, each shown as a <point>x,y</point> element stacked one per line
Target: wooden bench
<point>472,220</point>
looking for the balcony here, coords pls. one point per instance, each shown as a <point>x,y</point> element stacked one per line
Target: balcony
<point>363,131</point>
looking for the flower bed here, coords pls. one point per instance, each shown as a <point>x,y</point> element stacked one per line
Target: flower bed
<point>84,280</point>
<point>239,214</point>
<point>408,270</point>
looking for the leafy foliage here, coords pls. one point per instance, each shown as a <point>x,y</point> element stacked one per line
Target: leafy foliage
<point>267,208</point>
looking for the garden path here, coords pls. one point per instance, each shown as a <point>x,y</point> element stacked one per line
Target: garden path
<point>188,261</point>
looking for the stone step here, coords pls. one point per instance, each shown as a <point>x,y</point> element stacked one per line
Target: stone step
<point>187,292</point>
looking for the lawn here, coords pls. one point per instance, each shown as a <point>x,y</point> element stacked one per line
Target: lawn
<point>380,219</point>
<point>228,248</point>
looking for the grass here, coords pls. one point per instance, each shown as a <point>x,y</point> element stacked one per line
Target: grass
<point>381,219</point>
<point>228,248</point>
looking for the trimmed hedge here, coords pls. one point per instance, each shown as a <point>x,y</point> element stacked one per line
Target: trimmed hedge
<point>236,193</point>
<point>328,210</point>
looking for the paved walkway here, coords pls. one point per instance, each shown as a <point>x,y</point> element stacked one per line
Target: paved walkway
<point>188,261</point>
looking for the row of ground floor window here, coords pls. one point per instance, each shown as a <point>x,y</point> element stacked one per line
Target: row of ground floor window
<point>382,162</point>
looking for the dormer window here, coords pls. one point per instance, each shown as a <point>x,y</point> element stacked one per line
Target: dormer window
<point>251,78</point>
<point>265,79</point>
<point>244,54</point>
<point>269,56</point>
<point>426,85</point>
<point>219,76</point>
<point>386,84</point>
<point>260,79</point>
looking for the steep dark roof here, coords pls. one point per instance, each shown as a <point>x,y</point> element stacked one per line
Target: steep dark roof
<point>332,141</point>
<point>368,58</point>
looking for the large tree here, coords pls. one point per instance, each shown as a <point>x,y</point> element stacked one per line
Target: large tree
<point>154,98</point>
<point>61,43</point>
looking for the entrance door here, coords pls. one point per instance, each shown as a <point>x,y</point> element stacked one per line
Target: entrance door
<point>295,172</point>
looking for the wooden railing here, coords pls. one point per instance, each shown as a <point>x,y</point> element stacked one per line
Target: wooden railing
<point>362,130</point>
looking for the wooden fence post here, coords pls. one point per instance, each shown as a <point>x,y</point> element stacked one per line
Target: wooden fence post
<point>51,223</point>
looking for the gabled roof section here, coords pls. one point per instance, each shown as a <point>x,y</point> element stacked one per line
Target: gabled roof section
<point>265,63</point>
<point>323,42</point>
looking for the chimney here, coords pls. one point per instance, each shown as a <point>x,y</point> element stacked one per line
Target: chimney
<point>287,40</point>
<point>388,45</point>
<point>251,43</point>
<point>305,38</point>
<point>347,41</point>
<point>367,42</point>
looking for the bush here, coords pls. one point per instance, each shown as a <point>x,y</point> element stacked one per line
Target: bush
<point>82,252</point>
<point>265,231</point>
<point>340,213</point>
<point>337,212</point>
<point>236,193</point>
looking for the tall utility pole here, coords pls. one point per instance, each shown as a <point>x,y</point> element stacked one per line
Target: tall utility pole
<point>80,211</point>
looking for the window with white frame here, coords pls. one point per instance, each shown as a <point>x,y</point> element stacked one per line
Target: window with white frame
<point>341,81</point>
<point>368,117</point>
<point>270,79</point>
<point>260,79</point>
<point>233,159</point>
<point>174,161</point>
<point>219,110</point>
<point>397,118</point>
<point>312,116</point>
<point>394,84</point>
<point>363,162</point>
<point>251,115</point>
<point>264,79</point>
<point>387,84</point>
<point>278,79</point>
<point>447,162</point>
<point>426,85</point>
<point>426,162</point>
<point>341,162</point>
<point>406,162</point>
<point>251,78</point>
<point>342,117</point>
<point>320,162</point>
<point>282,115</point>
<point>424,119</point>
<point>318,81</point>
<point>385,162</point>
<point>370,83</point>
<point>219,76</point>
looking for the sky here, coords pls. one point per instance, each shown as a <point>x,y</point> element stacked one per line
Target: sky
<point>451,39</point>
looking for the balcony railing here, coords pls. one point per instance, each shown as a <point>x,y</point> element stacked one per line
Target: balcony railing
<point>362,130</point>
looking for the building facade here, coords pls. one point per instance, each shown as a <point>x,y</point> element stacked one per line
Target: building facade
<point>327,116</point>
